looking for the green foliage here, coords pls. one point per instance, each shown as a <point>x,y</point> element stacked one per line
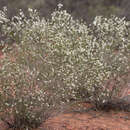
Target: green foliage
<point>56,60</point>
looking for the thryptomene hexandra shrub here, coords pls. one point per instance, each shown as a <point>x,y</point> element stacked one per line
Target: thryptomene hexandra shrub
<point>62,57</point>
<point>25,101</point>
<point>89,56</point>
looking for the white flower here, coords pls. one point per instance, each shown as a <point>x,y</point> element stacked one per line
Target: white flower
<point>60,6</point>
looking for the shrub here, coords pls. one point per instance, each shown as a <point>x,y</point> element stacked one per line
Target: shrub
<point>62,57</point>
<point>90,55</point>
<point>24,99</point>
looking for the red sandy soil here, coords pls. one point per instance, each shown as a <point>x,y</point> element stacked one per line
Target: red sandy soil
<point>92,120</point>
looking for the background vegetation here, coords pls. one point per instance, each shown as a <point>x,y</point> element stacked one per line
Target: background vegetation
<point>83,9</point>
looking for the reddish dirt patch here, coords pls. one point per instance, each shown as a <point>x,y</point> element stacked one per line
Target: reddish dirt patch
<point>1,55</point>
<point>90,121</point>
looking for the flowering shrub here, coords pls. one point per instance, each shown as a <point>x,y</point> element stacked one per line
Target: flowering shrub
<point>112,37</point>
<point>60,59</point>
<point>23,97</point>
